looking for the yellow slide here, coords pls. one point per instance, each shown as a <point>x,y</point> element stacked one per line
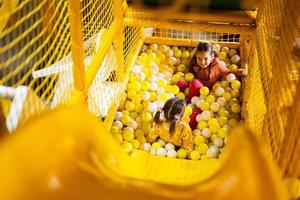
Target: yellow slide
<point>67,154</point>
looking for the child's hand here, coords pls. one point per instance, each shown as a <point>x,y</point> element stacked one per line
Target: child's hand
<point>196,68</point>
<point>242,72</point>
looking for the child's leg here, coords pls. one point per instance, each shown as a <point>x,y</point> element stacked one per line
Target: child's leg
<point>193,122</point>
<point>182,85</point>
<point>195,86</point>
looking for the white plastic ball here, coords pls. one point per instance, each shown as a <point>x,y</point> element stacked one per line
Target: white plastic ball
<point>147,146</point>
<point>153,151</point>
<point>235,59</point>
<point>230,77</point>
<point>199,102</point>
<point>161,152</point>
<point>199,118</point>
<point>118,124</point>
<point>153,86</point>
<point>141,76</point>
<point>218,142</point>
<point>145,95</point>
<point>206,133</point>
<point>196,132</point>
<point>136,69</point>
<point>171,153</point>
<point>221,101</point>
<point>194,100</point>
<point>171,95</point>
<point>206,115</point>
<point>133,124</point>
<point>232,52</point>
<point>215,107</point>
<point>225,49</point>
<point>152,107</point>
<point>162,142</point>
<point>219,91</point>
<point>118,115</point>
<point>169,146</point>
<point>160,90</point>
<point>211,153</point>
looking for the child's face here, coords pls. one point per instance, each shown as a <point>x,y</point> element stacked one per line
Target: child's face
<point>204,59</point>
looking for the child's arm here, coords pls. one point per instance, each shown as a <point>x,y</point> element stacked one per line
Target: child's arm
<point>152,135</point>
<point>187,138</point>
<point>241,72</point>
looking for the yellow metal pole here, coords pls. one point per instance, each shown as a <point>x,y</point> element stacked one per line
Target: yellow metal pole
<point>77,44</point>
<point>191,26</point>
<point>118,41</point>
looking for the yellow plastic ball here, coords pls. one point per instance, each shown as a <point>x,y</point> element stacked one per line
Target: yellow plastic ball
<point>146,116</point>
<point>195,155</point>
<point>145,104</point>
<point>204,106</point>
<point>189,77</point>
<point>214,127</point>
<point>175,89</point>
<point>128,135</point>
<point>139,108</point>
<point>222,121</point>
<point>145,85</point>
<point>156,145</point>
<point>162,83</point>
<point>204,91</point>
<point>185,54</point>
<point>235,84</point>
<point>188,111</point>
<point>233,67</point>
<point>224,113</point>
<point>163,97</point>
<point>214,136</point>
<point>129,106</point>
<point>227,96</point>
<point>125,119</point>
<point>181,95</point>
<point>181,68</point>
<point>146,127</point>
<point>131,94</point>
<point>127,146</point>
<point>177,53</point>
<point>199,139</point>
<point>136,99</point>
<point>141,139</point>
<point>210,99</point>
<point>175,78</point>
<point>153,96</point>
<point>182,153</point>
<point>236,108</point>
<point>216,85</point>
<point>138,132</point>
<point>223,133</point>
<point>202,148</point>
<point>114,130</point>
<point>222,55</point>
<point>202,124</point>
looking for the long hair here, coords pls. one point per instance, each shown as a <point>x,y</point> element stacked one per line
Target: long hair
<point>202,47</point>
<point>173,108</point>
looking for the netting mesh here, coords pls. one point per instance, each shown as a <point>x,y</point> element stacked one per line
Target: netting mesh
<point>36,35</point>
<point>279,71</point>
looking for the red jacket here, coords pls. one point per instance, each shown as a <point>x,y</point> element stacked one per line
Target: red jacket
<point>210,75</point>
